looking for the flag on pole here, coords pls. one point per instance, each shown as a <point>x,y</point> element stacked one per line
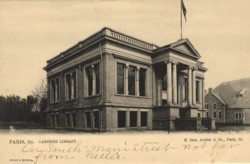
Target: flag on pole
<point>184,10</point>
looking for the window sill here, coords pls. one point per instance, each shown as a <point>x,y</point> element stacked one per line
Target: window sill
<point>133,127</point>
<point>71,127</point>
<point>92,96</point>
<point>53,103</point>
<point>144,127</point>
<point>71,100</point>
<point>142,97</point>
<point>90,128</point>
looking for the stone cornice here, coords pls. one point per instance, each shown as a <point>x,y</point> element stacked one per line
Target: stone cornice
<point>120,38</point>
<point>105,33</point>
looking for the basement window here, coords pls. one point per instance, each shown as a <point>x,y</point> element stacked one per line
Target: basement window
<point>56,120</point>
<point>121,119</point>
<point>144,119</point>
<point>88,119</point>
<point>52,120</point>
<point>68,120</point>
<point>133,119</point>
<point>96,119</point>
<point>74,120</point>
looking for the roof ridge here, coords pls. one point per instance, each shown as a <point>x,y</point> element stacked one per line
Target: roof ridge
<point>218,96</point>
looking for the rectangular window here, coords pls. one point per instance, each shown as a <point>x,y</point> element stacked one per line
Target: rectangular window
<point>185,89</point>
<point>93,77</point>
<point>207,114</point>
<point>199,115</point>
<point>120,78</point>
<point>130,74</point>
<point>133,119</point>
<point>68,120</point>
<point>96,119</point>
<point>142,82</point>
<point>74,85</point>
<point>131,80</point>
<point>97,77</point>
<point>68,87</point>
<point>220,114</point>
<point>57,120</point>
<point>89,72</point>
<point>239,117</point>
<point>71,86</point>
<point>144,119</point>
<point>214,114</point>
<point>197,91</point>
<point>55,90</point>
<point>214,106</point>
<point>52,120</point>
<point>74,120</point>
<point>206,106</point>
<point>88,119</point>
<point>121,119</point>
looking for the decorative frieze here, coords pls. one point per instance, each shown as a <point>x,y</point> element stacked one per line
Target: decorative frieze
<point>108,33</point>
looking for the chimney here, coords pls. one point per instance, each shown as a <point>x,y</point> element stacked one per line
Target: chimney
<point>210,90</point>
<point>205,91</point>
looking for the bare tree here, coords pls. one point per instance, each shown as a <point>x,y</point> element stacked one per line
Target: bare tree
<point>40,91</point>
<point>40,94</point>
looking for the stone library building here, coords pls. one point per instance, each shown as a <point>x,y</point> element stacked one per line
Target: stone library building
<point>111,81</point>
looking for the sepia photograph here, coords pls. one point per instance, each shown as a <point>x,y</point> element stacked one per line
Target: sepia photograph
<point>124,81</point>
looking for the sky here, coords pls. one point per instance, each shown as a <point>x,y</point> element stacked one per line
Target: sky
<point>32,32</point>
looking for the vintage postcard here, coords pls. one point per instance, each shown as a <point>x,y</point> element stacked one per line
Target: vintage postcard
<point>122,81</point>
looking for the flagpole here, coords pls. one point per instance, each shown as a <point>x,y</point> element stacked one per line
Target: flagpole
<point>181,16</point>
